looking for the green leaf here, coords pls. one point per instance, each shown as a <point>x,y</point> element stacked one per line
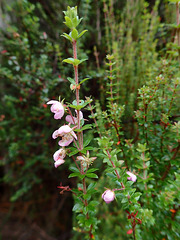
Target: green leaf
<point>87,126</point>
<point>76,174</point>
<point>74,169</point>
<point>91,175</point>
<point>91,186</point>
<point>82,33</point>
<point>124,200</point>
<point>83,60</point>
<point>75,106</point>
<point>87,141</point>
<point>76,21</point>
<point>87,196</point>
<point>77,62</point>
<point>94,203</point>
<point>74,34</point>
<point>129,183</point>
<point>77,208</point>
<point>78,107</point>
<point>81,218</point>
<point>91,170</point>
<point>71,80</point>
<point>69,60</point>
<point>85,79</point>
<point>74,61</point>
<point>73,152</point>
<point>89,148</point>
<point>137,195</point>
<point>111,175</point>
<point>68,22</point>
<point>65,35</point>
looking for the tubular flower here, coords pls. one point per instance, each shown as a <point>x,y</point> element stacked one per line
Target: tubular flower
<point>108,196</point>
<point>73,120</point>
<point>67,135</point>
<point>57,108</point>
<point>131,177</point>
<point>59,157</point>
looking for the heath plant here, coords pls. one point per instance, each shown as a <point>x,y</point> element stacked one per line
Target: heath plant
<point>72,133</point>
<point>138,176</point>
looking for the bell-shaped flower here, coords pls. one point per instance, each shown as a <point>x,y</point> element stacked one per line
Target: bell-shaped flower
<point>59,157</point>
<point>73,120</point>
<point>131,177</point>
<point>67,135</point>
<point>57,108</point>
<point>108,196</point>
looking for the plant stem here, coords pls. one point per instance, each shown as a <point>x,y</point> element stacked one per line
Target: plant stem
<point>77,94</point>
<point>80,134</point>
<point>111,83</point>
<point>109,155</point>
<point>134,233</point>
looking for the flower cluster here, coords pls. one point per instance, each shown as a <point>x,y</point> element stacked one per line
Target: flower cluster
<point>65,132</point>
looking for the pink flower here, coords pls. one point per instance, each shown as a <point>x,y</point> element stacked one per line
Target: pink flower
<point>59,156</point>
<point>61,153</point>
<point>131,177</point>
<point>67,135</point>
<point>108,196</point>
<point>73,120</point>
<point>57,108</point>
<point>58,163</point>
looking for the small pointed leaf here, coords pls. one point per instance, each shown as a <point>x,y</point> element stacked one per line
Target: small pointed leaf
<point>82,33</point>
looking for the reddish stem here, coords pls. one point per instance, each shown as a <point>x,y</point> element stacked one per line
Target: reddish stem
<point>77,94</point>
<point>109,156</point>
<point>80,134</point>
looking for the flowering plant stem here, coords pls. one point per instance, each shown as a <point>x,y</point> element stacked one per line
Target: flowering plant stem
<point>85,215</point>
<point>80,134</point>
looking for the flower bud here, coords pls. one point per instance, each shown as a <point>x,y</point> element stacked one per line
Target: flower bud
<point>108,196</point>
